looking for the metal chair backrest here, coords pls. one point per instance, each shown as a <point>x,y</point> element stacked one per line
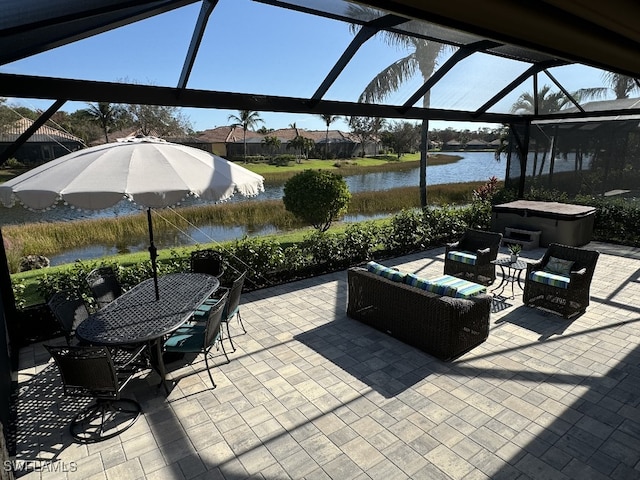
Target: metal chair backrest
<point>104,285</point>
<point>214,319</point>
<point>207,261</point>
<point>234,296</point>
<point>87,371</point>
<point>69,309</point>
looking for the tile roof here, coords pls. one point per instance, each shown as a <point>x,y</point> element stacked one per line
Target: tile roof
<point>44,134</point>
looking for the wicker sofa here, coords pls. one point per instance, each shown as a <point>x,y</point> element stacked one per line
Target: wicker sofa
<point>442,326</point>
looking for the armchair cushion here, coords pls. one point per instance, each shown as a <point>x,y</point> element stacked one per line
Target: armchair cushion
<point>552,279</point>
<point>386,272</point>
<point>462,257</point>
<point>558,266</point>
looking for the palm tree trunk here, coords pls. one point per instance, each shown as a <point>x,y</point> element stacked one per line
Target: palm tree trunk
<point>244,141</point>
<point>424,147</point>
<point>326,144</point>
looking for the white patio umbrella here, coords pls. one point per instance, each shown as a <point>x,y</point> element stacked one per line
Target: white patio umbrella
<point>148,171</point>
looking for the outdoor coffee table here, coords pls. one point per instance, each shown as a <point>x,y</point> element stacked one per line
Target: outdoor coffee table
<point>511,273</point>
<point>137,317</point>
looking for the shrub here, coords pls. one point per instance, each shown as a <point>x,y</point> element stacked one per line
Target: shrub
<point>255,256</point>
<point>282,160</point>
<point>13,163</point>
<point>447,224</point>
<point>317,197</point>
<point>360,240</point>
<point>407,231</point>
<point>324,249</point>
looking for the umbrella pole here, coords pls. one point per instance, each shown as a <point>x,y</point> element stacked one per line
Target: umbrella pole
<point>153,253</point>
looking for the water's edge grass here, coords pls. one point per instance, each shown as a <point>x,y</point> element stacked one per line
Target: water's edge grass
<point>52,238</point>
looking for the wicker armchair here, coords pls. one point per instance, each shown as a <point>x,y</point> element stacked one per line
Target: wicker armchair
<point>471,256</point>
<point>566,294</point>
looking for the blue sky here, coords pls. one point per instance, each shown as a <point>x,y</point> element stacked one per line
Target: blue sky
<point>256,48</point>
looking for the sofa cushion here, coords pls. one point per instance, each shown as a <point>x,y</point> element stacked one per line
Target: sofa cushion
<point>558,266</point>
<point>462,257</point>
<point>548,278</point>
<point>418,282</point>
<point>429,285</point>
<point>385,272</point>
<point>463,288</point>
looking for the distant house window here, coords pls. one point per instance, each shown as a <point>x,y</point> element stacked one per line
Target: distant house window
<point>47,152</point>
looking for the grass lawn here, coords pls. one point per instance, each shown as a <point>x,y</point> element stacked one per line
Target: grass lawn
<point>353,166</point>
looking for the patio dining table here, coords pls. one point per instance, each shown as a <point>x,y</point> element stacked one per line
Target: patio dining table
<point>137,317</point>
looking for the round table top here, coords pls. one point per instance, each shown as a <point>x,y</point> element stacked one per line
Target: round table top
<point>136,316</point>
<point>506,262</point>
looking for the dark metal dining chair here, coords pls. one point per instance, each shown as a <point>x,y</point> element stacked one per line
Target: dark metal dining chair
<point>199,338</point>
<point>232,307</point>
<point>70,310</point>
<point>89,371</point>
<point>207,261</point>
<point>104,285</point>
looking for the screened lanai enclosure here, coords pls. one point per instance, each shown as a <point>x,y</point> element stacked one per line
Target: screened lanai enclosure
<point>537,69</point>
<point>593,158</point>
<point>561,75</point>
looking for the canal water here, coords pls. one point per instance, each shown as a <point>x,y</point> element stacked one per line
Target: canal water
<point>474,166</point>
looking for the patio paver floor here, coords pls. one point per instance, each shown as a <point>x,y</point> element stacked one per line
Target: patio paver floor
<point>310,393</point>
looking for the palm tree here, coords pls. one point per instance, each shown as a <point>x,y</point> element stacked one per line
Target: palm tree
<point>621,85</point>
<point>302,144</point>
<point>107,115</point>
<point>548,101</point>
<point>376,127</point>
<point>246,119</point>
<point>422,58</point>
<point>272,143</point>
<point>328,120</point>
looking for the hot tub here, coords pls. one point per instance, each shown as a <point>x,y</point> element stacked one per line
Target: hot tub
<point>563,223</point>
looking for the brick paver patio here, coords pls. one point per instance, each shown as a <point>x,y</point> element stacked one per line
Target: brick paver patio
<point>312,394</point>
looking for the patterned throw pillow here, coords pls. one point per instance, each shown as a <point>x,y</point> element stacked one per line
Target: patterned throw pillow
<point>385,272</point>
<point>558,266</point>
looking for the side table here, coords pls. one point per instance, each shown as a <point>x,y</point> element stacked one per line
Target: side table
<point>511,273</point>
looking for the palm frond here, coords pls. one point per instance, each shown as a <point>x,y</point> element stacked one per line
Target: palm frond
<point>389,79</point>
<point>591,93</point>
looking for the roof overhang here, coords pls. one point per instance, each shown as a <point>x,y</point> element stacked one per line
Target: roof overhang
<point>543,33</point>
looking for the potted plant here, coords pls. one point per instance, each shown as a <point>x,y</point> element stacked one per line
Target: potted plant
<point>514,249</point>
